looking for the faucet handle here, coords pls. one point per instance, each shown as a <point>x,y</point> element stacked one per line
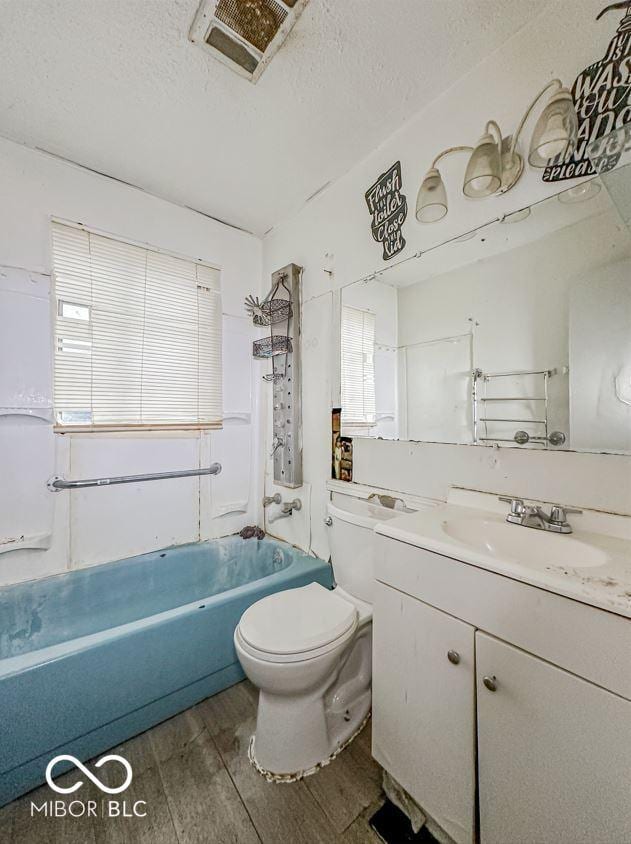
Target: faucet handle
<point>517,506</point>
<point>289,506</point>
<point>559,514</point>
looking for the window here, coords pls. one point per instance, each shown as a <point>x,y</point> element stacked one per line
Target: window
<point>358,371</point>
<point>137,336</point>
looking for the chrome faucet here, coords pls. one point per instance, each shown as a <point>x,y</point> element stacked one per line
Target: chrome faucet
<point>271,499</point>
<point>533,516</point>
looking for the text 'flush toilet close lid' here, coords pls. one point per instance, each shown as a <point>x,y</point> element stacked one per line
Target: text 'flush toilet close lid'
<point>297,620</point>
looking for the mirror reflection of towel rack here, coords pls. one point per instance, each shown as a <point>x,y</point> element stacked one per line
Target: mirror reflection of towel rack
<point>521,437</point>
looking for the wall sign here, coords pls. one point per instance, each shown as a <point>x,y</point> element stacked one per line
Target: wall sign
<point>389,208</point>
<point>601,95</point>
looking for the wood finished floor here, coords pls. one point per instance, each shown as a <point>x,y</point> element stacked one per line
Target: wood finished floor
<point>194,773</point>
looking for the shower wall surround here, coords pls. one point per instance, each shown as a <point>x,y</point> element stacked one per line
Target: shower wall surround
<point>93,526</point>
<point>334,223</point>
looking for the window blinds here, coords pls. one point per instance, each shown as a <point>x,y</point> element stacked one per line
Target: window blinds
<point>358,370</point>
<point>137,336</point>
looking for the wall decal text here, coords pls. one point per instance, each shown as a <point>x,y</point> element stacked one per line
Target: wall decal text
<point>388,208</point>
<point>601,95</point>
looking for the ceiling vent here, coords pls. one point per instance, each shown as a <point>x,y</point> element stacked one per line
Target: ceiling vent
<point>245,34</point>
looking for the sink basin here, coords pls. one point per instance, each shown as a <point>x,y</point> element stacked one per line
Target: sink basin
<point>526,546</point>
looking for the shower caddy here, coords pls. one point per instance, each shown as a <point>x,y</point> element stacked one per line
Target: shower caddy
<point>280,312</point>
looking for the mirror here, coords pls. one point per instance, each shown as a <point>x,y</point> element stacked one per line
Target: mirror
<point>518,333</point>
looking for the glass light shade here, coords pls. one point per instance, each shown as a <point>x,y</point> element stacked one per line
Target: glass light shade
<point>516,216</point>
<point>580,193</point>
<point>431,202</point>
<point>483,176</point>
<point>556,130</point>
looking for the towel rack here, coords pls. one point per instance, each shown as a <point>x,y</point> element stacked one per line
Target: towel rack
<point>56,484</point>
<point>483,409</point>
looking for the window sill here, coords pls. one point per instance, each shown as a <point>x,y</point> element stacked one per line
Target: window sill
<point>130,429</point>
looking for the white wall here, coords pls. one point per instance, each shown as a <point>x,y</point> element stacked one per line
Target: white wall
<point>592,481</point>
<point>562,41</point>
<point>96,525</point>
<point>600,359</point>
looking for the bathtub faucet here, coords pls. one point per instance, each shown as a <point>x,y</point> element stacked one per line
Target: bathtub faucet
<point>286,510</point>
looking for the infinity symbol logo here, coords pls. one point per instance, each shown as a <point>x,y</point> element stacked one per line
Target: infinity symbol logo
<point>89,774</point>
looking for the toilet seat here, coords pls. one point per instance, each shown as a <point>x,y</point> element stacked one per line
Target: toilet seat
<point>297,624</point>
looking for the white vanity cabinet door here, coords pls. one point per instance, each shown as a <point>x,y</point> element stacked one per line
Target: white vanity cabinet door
<point>554,753</point>
<point>423,707</point>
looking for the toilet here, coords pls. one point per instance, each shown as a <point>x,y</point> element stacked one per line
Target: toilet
<point>309,652</point>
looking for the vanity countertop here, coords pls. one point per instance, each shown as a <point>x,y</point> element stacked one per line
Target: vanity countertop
<point>591,565</point>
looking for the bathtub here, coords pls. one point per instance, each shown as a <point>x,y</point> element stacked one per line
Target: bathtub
<point>95,656</point>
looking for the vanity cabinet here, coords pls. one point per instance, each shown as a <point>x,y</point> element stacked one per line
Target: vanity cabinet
<point>554,753</point>
<point>424,707</point>
<point>530,727</point>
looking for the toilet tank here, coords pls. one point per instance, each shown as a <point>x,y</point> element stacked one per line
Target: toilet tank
<point>351,540</point>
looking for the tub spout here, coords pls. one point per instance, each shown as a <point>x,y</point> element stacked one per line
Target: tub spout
<point>287,508</point>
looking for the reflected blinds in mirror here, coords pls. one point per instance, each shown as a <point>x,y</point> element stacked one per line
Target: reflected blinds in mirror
<point>358,371</point>
<point>137,336</point>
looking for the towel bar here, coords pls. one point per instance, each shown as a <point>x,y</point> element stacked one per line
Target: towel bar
<point>56,484</point>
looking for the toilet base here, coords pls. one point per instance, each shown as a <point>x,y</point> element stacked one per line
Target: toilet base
<point>300,727</point>
<point>270,776</point>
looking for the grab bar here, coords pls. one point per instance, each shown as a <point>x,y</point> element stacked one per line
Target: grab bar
<point>56,484</point>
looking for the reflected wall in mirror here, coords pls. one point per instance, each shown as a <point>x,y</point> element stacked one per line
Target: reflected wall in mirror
<point>519,333</point>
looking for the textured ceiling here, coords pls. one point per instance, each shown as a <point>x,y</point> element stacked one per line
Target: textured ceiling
<point>115,85</point>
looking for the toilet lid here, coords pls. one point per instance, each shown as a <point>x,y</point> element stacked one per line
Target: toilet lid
<point>297,620</point>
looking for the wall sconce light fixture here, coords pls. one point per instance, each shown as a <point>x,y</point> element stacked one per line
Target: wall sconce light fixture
<point>494,165</point>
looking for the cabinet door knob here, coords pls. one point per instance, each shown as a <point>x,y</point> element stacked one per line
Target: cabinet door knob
<point>328,521</point>
<point>453,657</point>
<point>490,683</point>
